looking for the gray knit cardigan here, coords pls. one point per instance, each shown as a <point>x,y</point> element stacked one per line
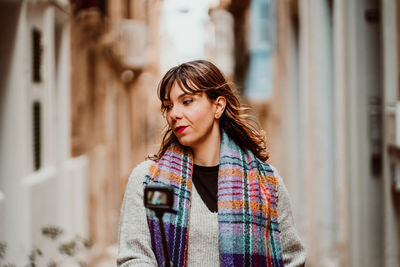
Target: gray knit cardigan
<point>134,236</point>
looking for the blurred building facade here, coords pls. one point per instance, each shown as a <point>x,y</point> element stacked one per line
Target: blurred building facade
<point>115,118</point>
<point>332,127</point>
<point>78,111</point>
<point>75,117</point>
<point>37,172</point>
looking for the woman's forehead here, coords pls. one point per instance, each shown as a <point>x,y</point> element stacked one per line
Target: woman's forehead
<point>178,89</point>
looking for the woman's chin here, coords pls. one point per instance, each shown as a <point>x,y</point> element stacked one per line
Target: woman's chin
<point>185,142</point>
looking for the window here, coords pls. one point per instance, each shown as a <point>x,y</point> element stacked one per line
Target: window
<point>36,135</point>
<point>36,55</point>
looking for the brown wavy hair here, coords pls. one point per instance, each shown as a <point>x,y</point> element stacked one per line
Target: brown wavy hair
<point>202,75</point>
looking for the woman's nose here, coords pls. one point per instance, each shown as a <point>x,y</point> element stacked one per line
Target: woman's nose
<point>175,113</point>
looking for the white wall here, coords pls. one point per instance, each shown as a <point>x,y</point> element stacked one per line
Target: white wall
<point>365,191</point>
<point>341,136</point>
<point>41,203</point>
<point>2,204</point>
<point>346,215</point>
<point>56,194</point>
<point>15,152</point>
<point>390,85</point>
<point>317,129</point>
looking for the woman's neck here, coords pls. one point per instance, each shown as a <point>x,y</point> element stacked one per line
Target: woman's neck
<point>207,153</point>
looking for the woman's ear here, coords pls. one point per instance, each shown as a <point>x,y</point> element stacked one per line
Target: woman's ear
<point>220,104</point>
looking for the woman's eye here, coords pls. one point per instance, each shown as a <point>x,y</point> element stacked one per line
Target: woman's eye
<point>187,101</point>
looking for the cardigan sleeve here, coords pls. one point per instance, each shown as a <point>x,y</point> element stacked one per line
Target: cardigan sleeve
<point>294,252</point>
<point>134,235</point>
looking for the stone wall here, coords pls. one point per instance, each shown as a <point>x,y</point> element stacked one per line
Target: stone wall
<point>115,117</point>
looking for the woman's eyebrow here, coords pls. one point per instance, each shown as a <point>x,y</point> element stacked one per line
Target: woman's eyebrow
<point>188,93</point>
<point>180,96</point>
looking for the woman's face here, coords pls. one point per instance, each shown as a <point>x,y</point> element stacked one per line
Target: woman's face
<point>192,117</point>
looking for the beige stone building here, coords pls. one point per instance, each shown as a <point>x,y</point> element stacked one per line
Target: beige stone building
<point>114,109</point>
<point>78,111</point>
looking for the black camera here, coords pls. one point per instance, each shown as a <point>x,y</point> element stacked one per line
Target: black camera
<point>159,198</point>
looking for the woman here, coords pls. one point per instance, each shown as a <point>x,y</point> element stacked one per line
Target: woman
<point>233,208</point>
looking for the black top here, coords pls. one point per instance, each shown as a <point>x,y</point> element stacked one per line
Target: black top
<point>205,179</point>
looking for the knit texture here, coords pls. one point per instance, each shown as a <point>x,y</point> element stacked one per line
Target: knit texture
<point>135,248</point>
<point>247,207</point>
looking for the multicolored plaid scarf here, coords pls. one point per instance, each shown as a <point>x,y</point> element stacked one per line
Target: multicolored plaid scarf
<point>247,207</point>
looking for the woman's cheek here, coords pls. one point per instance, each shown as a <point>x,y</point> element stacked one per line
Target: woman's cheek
<point>169,122</point>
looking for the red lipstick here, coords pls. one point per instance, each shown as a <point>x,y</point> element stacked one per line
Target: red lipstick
<point>180,129</point>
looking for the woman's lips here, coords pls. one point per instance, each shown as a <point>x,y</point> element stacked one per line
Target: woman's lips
<point>180,129</point>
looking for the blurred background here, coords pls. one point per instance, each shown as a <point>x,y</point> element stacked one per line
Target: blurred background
<point>78,110</point>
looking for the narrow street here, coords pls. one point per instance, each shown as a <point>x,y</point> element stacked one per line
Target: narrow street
<point>79,110</point>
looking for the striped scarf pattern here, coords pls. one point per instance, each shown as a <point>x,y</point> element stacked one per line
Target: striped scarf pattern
<point>249,233</point>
